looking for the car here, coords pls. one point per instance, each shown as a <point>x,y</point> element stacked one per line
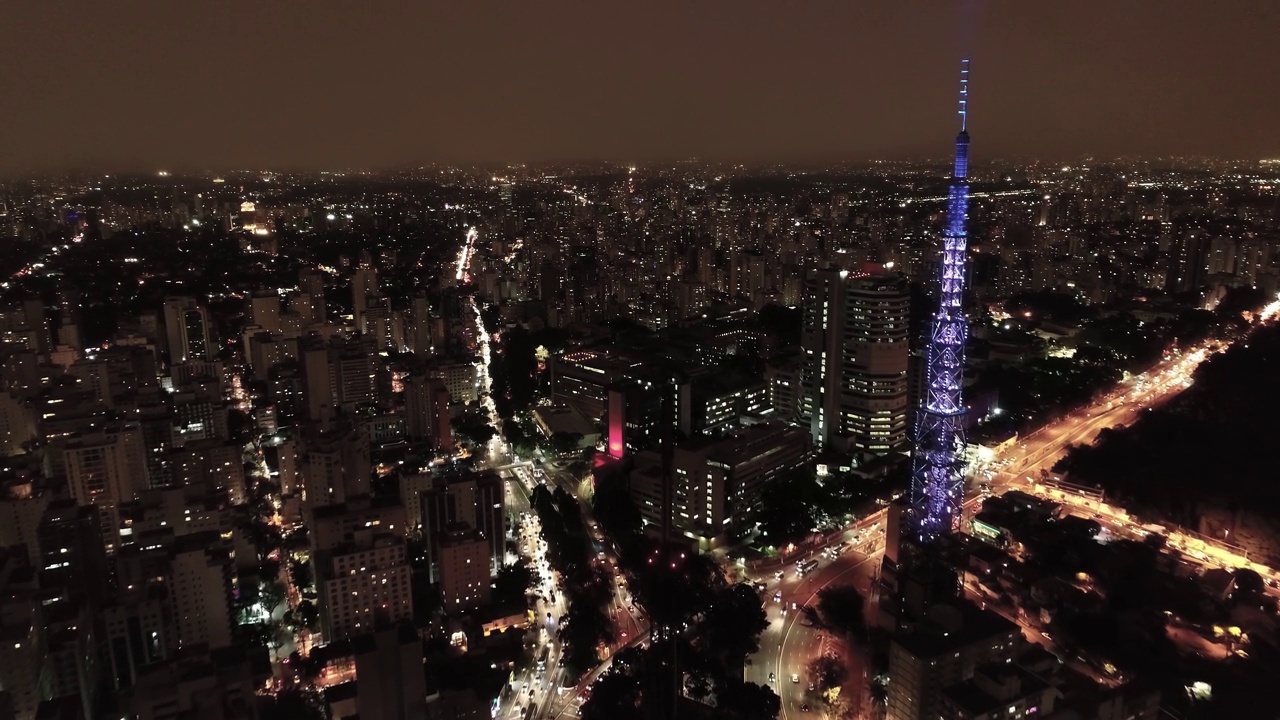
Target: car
<point>777,596</point>
<point>804,707</point>
<point>795,678</point>
<point>773,678</point>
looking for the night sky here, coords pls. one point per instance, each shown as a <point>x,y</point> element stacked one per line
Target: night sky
<point>189,85</point>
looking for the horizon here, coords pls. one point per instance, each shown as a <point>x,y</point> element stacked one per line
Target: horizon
<point>190,86</point>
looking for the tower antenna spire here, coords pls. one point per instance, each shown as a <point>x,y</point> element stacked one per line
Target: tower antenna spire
<point>937,481</point>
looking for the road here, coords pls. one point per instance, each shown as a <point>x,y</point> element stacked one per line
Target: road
<point>537,681</point>
<point>629,623</point>
<point>787,645</point>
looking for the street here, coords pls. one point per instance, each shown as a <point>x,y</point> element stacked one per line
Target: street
<point>788,645</point>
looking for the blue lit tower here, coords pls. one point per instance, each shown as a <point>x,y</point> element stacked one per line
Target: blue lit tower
<point>937,479</point>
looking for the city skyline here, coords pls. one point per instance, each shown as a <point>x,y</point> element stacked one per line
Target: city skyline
<point>333,387</point>
<point>128,89</point>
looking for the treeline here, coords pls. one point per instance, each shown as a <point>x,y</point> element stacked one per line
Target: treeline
<point>1209,445</point>
<point>585,583</point>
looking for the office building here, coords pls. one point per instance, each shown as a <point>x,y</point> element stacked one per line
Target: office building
<point>583,379</point>
<point>716,481</point>
<point>853,381</point>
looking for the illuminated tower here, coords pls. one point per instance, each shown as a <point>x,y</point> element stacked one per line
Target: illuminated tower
<point>937,480</point>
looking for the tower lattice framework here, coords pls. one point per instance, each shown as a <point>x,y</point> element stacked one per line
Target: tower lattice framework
<point>937,480</point>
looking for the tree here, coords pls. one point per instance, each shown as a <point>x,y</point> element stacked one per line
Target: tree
<point>513,581</point>
<point>473,430</point>
<point>842,608</point>
<point>307,615</point>
<point>295,704</point>
<point>811,614</point>
<point>785,510</point>
<point>733,625</point>
<point>617,512</point>
<point>750,701</point>
<point>827,672</point>
<point>565,442</point>
<point>271,594</point>
<point>615,696</point>
<point>300,573</point>
<point>1248,583</point>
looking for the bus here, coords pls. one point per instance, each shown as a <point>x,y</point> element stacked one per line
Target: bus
<point>542,659</point>
<point>805,566</point>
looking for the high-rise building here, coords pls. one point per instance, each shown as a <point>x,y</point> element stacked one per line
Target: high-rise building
<point>389,677</point>
<point>467,500</point>
<point>200,682</point>
<point>311,282</point>
<point>339,374</point>
<point>106,469</point>
<point>199,583</point>
<point>211,466</point>
<point>72,554</point>
<point>426,401</point>
<point>853,381</point>
<point>364,283</point>
<point>333,525</point>
<point>136,634</point>
<point>464,569</point>
<point>1188,262</point>
<point>459,378</point>
<point>24,667</point>
<point>419,322</point>
<point>264,310</point>
<point>1222,256</point>
<point>22,506</point>
<point>337,466</point>
<point>363,584</point>
<point>186,326</point>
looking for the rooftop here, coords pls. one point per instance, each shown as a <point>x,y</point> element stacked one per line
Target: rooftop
<point>952,627</point>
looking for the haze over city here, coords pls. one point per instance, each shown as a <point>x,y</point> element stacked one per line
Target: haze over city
<point>241,84</point>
